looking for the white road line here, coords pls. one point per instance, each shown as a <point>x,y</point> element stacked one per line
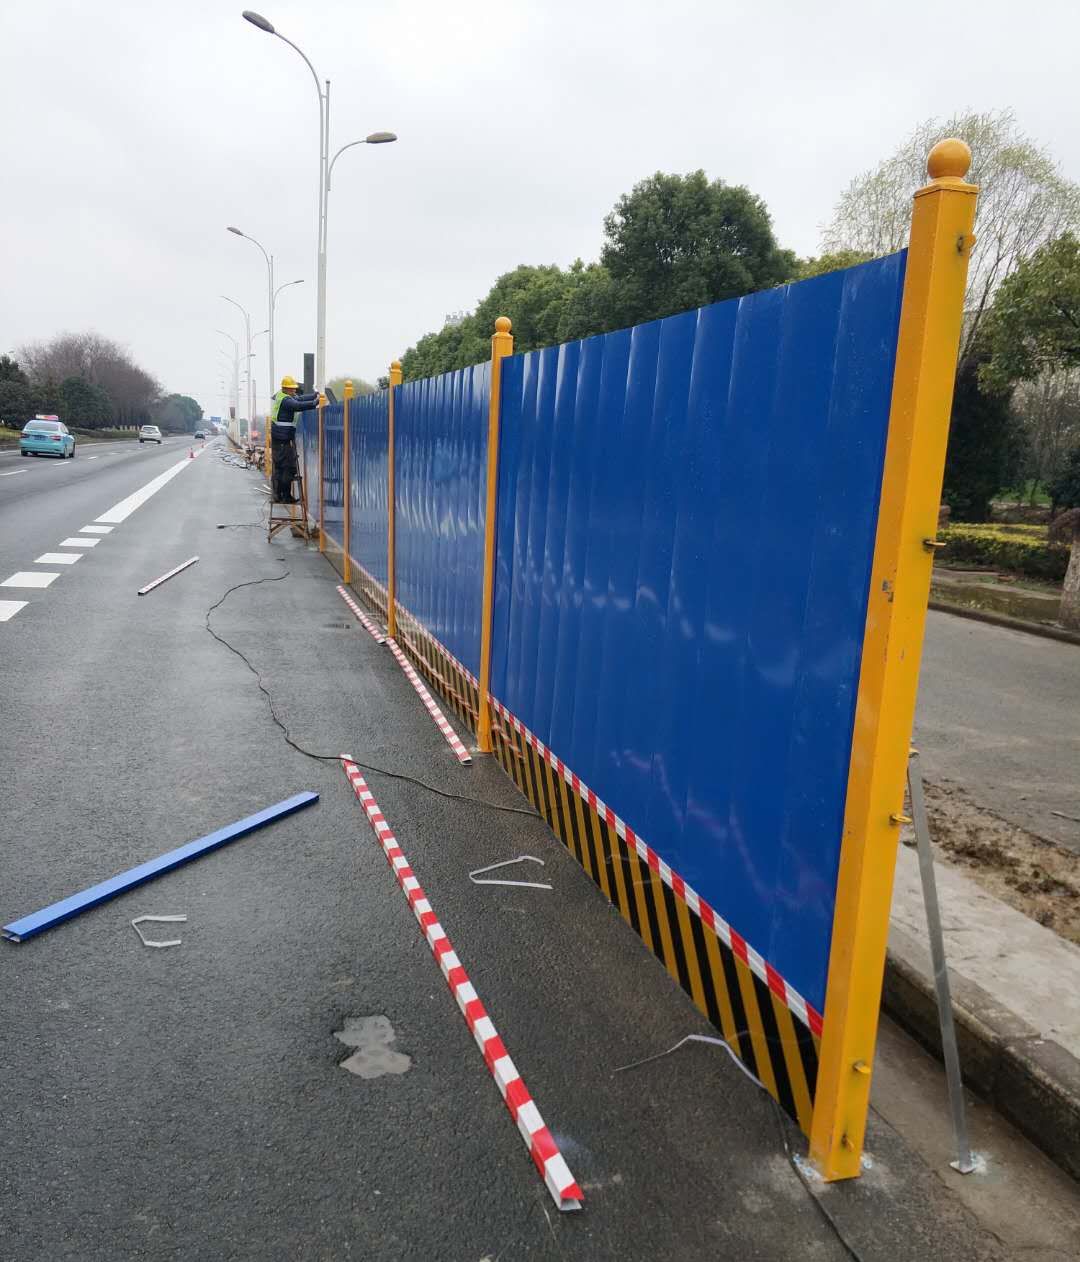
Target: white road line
<point>9,608</point>
<point>123,510</point>
<point>93,457</point>
<point>12,472</point>
<point>95,530</point>
<point>31,578</point>
<point>58,558</point>
<point>77,541</point>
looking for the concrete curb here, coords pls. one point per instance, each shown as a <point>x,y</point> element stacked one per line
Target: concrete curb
<point>1032,1081</point>
<point>1003,620</point>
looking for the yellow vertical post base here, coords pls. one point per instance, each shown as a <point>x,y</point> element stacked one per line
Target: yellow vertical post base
<point>502,344</point>
<point>930,320</point>
<point>391,504</point>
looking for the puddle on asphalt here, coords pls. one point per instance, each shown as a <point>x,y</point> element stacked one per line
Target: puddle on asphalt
<point>374,1055</point>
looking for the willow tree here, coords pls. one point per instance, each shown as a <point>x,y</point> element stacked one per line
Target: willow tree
<point>1024,202</point>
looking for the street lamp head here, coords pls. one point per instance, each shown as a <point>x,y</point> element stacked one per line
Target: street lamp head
<point>381,138</point>
<point>257,19</point>
<point>237,231</point>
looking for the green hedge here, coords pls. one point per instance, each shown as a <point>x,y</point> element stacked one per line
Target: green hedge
<point>1017,549</point>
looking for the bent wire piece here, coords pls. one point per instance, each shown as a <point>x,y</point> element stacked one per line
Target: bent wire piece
<point>522,858</point>
<point>157,920</point>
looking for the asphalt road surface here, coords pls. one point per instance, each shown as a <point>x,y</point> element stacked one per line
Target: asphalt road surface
<point>190,1102</point>
<point>999,714</point>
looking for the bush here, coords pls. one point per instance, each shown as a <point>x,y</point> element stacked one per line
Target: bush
<point>1026,530</point>
<point>1018,549</point>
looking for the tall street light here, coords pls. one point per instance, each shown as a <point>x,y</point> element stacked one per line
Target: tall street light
<point>269,299</point>
<point>273,308</point>
<point>247,330</point>
<point>236,367</point>
<point>325,164</point>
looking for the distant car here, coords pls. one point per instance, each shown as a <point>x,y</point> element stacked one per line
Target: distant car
<point>199,434</point>
<point>46,438</point>
<point>150,434</point>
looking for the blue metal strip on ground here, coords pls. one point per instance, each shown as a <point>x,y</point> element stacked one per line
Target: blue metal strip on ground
<point>56,913</point>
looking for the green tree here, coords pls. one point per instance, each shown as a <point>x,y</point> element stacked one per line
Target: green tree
<point>985,447</point>
<point>1064,490</point>
<point>178,412</point>
<point>673,243</point>
<point>16,396</point>
<point>1048,408</point>
<point>806,268</point>
<point>84,405</point>
<point>1034,325</point>
<point>360,386</point>
<point>680,241</point>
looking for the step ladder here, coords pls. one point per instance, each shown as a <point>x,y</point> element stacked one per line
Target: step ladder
<point>284,516</point>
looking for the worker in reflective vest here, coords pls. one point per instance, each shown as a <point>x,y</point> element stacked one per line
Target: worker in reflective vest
<point>286,409</point>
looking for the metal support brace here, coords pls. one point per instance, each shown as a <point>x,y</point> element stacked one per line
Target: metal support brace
<point>964,1162</point>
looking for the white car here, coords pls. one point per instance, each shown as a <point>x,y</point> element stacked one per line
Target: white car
<point>150,434</point>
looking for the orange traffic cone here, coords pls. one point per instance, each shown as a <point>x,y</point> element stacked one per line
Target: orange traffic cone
<point>191,453</point>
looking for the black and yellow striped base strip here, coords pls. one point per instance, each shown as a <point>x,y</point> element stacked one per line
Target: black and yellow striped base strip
<point>368,587</point>
<point>439,669</point>
<point>773,1042</point>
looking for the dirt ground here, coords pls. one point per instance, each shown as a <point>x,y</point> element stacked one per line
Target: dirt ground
<point>1035,876</point>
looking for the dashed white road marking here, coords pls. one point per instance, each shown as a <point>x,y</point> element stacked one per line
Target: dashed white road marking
<point>58,558</point>
<point>31,578</point>
<point>93,457</point>
<point>120,512</point>
<point>9,608</point>
<point>12,472</point>
<point>95,530</point>
<point>76,542</point>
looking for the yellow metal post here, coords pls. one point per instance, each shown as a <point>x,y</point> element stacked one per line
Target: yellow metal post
<point>502,344</point>
<point>322,537</point>
<point>391,505</point>
<point>345,573</point>
<point>930,320</point>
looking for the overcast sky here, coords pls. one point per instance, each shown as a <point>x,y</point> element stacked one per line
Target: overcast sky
<point>134,131</point>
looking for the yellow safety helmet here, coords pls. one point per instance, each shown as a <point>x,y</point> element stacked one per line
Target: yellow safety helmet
<point>289,383</point>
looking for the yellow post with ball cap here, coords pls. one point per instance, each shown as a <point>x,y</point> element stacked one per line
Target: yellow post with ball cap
<point>925,372</point>
<point>502,344</point>
<point>322,537</point>
<point>347,523</point>
<point>391,503</point>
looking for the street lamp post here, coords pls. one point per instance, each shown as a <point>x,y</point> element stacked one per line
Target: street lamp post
<point>250,383</point>
<point>325,166</point>
<point>269,299</point>
<point>236,367</point>
<point>273,309</point>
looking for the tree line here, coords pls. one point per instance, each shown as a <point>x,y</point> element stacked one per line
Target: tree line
<point>675,242</point>
<point>90,382</point>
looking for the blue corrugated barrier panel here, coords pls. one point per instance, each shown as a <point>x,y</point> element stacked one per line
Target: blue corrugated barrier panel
<point>368,419</point>
<point>333,473</point>
<point>686,519</point>
<point>440,466</point>
<point>307,454</point>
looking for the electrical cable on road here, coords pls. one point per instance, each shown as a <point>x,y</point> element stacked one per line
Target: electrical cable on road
<point>510,810</point>
<point>381,771</point>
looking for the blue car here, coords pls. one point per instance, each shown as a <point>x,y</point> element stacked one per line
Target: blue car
<point>46,438</point>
